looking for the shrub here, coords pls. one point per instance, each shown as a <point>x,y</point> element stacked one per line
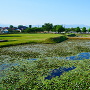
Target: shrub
<point>71,35</point>
<point>56,39</point>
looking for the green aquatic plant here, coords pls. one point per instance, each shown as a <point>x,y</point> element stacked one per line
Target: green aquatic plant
<point>30,74</point>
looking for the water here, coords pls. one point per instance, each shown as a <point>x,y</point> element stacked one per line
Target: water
<point>80,56</point>
<point>58,72</point>
<point>33,59</point>
<point>4,67</point>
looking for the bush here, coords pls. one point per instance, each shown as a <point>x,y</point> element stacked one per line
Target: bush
<point>56,39</point>
<point>71,35</point>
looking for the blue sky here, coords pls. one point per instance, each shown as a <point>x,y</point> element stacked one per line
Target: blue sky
<point>38,12</point>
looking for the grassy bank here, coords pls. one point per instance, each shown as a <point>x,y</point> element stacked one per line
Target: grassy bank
<point>17,39</point>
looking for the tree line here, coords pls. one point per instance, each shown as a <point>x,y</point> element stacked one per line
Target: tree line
<point>46,27</point>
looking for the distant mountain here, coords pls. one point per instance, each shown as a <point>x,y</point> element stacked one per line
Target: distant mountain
<point>76,25</point>
<point>7,25</point>
<point>36,25</point>
<point>4,25</point>
<point>66,26</point>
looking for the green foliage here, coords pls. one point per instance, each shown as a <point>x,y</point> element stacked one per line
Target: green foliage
<point>30,75</point>
<point>89,29</point>
<point>33,30</point>
<point>71,35</point>
<point>84,29</point>
<point>72,29</point>
<point>60,28</point>
<point>30,26</point>
<point>56,39</point>
<point>10,30</point>
<point>67,30</point>
<point>20,26</point>
<point>54,28</point>
<point>11,26</point>
<point>78,29</point>
<point>47,27</point>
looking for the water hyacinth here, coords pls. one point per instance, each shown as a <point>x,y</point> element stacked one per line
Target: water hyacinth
<point>26,66</point>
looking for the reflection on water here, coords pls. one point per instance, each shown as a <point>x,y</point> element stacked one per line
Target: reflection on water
<point>5,67</point>
<point>58,72</point>
<point>80,56</point>
<point>33,59</point>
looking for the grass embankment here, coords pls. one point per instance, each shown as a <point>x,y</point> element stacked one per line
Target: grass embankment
<point>87,38</point>
<point>17,39</point>
<point>55,39</point>
<point>83,35</point>
<point>78,36</point>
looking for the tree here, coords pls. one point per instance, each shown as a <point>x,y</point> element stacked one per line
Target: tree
<point>72,29</point>
<point>89,29</point>
<point>28,30</point>
<point>60,28</point>
<point>67,30</point>
<point>47,27</point>
<point>10,30</point>
<point>20,27</point>
<point>11,26</point>
<point>78,29</point>
<point>84,29</point>
<point>54,28</point>
<point>30,26</point>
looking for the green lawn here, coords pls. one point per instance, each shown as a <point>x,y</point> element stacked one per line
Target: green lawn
<point>15,39</point>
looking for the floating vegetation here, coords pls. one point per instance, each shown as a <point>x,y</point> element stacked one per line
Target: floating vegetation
<point>34,62</point>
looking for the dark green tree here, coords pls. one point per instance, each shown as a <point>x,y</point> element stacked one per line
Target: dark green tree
<point>89,30</point>
<point>47,27</point>
<point>78,29</point>
<point>30,26</point>
<point>20,27</point>
<point>84,29</point>
<point>60,28</point>
<point>54,28</point>
<point>27,30</point>
<point>11,26</point>
<point>72,29</point>
<point>67,30</point>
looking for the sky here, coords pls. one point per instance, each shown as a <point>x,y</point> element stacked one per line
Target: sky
<point>38,12</point>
